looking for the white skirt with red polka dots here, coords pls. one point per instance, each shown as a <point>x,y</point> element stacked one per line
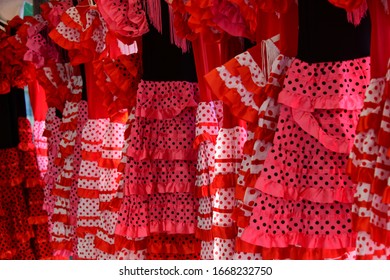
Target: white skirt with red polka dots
<point>368,165</point>
<point>65,189</point>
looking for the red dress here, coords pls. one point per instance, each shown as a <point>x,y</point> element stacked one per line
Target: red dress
<point>23,221</point>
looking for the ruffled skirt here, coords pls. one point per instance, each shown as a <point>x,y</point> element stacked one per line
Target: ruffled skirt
<point>304,181</point>
<point>368,166</point>
<point>158,205</point>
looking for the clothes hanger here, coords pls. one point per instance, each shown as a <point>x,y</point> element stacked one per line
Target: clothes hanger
<point>3,24</point>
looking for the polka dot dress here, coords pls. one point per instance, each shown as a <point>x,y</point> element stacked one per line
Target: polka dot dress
<point>304,180</point>
<point>65,190</point>
<point>255,151</point>
<point>16,232</point>
<point>251,94</point>
<point>112,148</point>
<point>53,134</point>
<point>367,166</point>
<point>165,123</point>
<point>40,143</point>
<point>127,21</point>
<point>160,172</point>
<point>34,193</point>
<point>126,248</point>
<point>88,212</point>
<point>228,156</point>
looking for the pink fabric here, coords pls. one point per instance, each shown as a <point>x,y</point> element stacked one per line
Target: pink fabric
<point>40,143</point>
<point>160,176</point>
<point>112,146</point>
<point>228,17</point>
<point>88,212</point>
<point>162,100</point>
<point>142,215</point>
<point>121,251</point>
<point>157,187</point>
<point>169,134</point>
<point>299,223</point>
<point>304,194</point>
<point>40,50</point>
<point>311,173</point>
<point>312,127</point>
<point>66,185</point>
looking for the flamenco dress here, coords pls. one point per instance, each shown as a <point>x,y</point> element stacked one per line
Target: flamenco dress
<point>303,210</point>
<point>118,75</point>
<point>23,221</point>
<point>248,85</point>
<point>157,216</point>
<point>205,25</point>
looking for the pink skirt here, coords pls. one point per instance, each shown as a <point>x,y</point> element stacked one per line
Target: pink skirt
<point>304,180</point>
<point>159,175</point>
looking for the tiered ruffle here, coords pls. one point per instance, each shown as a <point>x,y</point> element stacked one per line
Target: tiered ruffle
<point>299,191</point>
<point>112,148</point>
<point>244,86</point>
<point>126,19</point>
<point>88,212</point>
<point>160,140</point>
<point>65,189</point>
<point>23,222</point>
<point>368,165</point>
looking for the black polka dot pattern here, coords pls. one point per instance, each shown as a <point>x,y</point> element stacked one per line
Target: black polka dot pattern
<point>305,194</point>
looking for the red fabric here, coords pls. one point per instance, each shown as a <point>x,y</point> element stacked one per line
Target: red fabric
<point>22,218</point>
<point>15,72</point>
<point>126,19</point>
<point>279,6</point>
<point>201,19</point>
<point>349,5</point>
<point>96,110</point>
<point>380,36</point>
<point>38,101</point>
<point>51,11</point>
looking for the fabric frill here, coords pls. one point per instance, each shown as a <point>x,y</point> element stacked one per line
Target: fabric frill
<point>209,117</point>
<point>127,22</point>
<point>24,223</point>
<point>301,188</point>
<point>68,160</point>
<point>368,167</point>
<point>158,188</point>
<point>251,94</point>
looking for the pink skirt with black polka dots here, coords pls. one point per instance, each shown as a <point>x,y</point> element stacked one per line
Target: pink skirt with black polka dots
<point>304,181</point>
<point>158,191</point>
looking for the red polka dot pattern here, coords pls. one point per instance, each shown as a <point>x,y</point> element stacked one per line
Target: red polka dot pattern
<point>368,166</point>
